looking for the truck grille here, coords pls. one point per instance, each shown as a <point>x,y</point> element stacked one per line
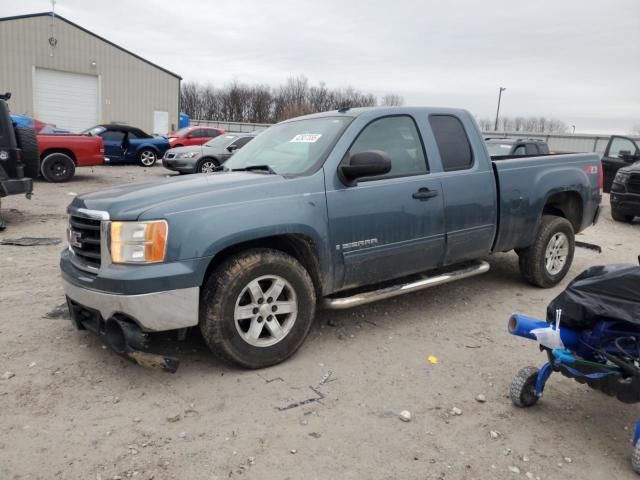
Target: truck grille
<point>84,242</point>
<point>633,186</point>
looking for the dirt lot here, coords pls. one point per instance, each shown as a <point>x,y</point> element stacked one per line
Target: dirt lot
<point>75,410</point>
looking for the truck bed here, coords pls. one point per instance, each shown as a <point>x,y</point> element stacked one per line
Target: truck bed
<point>522,182</point>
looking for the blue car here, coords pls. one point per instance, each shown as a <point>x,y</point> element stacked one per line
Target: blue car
<point>124,144</point>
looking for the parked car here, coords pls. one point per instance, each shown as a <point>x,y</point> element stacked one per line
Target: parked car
<point>341,208</point>
<point>625,194</point>
<point>60,153</point>
<point>499,147</point>
<point>193,136</point>
<point>17,143</point>
<point>206,158</point>
<point>125,144</point>
<point>620,152</point>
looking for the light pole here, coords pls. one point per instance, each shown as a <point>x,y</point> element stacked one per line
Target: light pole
<point>574,128</point>
<point>502,89</point>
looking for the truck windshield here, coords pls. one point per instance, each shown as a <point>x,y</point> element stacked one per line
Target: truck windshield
<point>499,148</point>
<point>291,148</point>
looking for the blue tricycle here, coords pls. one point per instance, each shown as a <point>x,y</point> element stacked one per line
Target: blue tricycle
<point>592,334</point>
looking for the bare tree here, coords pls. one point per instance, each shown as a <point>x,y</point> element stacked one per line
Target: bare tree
<point>237,102</point>
<point>392,100</point>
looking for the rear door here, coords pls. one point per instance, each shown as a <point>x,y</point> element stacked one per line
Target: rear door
<point>392,225</point>
<point>469,191</point>
<point>620,152</point>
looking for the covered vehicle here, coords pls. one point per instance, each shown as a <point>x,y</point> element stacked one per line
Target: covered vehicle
<point>208,157</point>
<point>609,292</point>
<point>125,145</point>
<point>194,135</point>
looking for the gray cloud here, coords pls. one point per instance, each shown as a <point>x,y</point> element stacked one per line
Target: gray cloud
<point>574,60</point>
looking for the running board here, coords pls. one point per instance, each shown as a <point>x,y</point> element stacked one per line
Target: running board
<point>426,281</point>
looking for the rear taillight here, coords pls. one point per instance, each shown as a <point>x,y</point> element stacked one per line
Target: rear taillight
<point>19,155</point>
<point>600,178</point>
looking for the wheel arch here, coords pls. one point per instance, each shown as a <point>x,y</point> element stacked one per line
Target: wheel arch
<point>300,246</point>
<point>567,204</point>
<point>64,151</point>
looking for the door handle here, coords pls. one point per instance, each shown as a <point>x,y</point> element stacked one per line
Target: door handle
<point>424,194</point>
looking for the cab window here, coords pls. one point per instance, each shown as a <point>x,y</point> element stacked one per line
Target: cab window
<point>398,137</point>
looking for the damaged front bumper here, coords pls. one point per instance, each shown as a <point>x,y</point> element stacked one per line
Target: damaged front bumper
<point>124,321</point>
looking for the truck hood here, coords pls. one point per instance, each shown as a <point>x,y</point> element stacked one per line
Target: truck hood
<point>129,202</point>
<point>633,168</point>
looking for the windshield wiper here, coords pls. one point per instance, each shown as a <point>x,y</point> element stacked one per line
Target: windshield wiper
<point>257,168</point>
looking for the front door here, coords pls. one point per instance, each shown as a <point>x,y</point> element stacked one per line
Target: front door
<point>620,152</point>
<point>113,145</point>
<point>389,226</point>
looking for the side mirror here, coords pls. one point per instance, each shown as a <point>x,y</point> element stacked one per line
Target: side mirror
<point>370,163</point>
<point>232,148</point>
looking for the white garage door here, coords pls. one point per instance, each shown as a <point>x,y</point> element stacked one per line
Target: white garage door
<point>68,100</point>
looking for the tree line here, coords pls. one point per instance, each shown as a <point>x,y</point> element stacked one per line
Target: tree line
<point>530,124</point>
<point>239,102</point>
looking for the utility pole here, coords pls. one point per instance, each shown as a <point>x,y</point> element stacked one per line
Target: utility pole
<point>574,128</point>
<point>502,89</point>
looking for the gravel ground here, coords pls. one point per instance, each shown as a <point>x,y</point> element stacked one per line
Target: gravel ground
<point>74,410</point>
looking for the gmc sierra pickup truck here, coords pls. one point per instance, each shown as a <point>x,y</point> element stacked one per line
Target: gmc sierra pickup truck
<point>338,209</point>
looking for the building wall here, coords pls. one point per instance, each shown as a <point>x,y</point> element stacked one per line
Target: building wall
<point>130,89</point>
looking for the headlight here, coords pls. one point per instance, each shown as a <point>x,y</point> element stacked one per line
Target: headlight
<point>188,155</point>
<point>139,242</point>
<point>621,177</point>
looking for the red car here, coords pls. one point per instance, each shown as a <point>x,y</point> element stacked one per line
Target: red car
<point>60,154</point>
<point>196,135</point>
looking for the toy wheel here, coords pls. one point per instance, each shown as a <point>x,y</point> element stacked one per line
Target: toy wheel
<point>523,387</point>
<point>635,458</point>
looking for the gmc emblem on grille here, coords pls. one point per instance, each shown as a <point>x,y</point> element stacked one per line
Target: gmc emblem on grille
<point>75,239</point>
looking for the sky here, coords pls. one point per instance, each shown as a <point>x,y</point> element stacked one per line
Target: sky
<point>574,60</point>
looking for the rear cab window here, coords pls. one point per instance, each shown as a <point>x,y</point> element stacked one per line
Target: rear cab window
<point>452,141</point>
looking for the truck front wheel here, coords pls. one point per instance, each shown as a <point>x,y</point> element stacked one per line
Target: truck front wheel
<point>547,261</point>
<point>257,308</point>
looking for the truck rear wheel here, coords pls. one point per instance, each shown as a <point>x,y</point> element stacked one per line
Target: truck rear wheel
<point>58,168</point>
<point>257,308</point>
<point>547,261</point>
<point>28,143</point>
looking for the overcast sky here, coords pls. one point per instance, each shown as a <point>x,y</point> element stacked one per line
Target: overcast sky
<point>576,60</point>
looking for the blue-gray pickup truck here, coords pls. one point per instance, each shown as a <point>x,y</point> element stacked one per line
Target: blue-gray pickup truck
<point>334,209</point>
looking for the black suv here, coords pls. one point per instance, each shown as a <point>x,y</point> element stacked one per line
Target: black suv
<point>625,194</point>
<point>18,148</point>
<point>515,147</point>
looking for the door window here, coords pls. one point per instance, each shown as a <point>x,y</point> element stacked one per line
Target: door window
<point>619,144</point>
<point>520,150</point>
<point>398,137</point>
<point>197,133</point>
<point>211,133</point>
<point>241,142</point>
<point>452,141</point>
<point>532,149</point>
<point>112,136</point>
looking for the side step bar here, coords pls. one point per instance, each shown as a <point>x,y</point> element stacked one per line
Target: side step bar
<point>426,281</point>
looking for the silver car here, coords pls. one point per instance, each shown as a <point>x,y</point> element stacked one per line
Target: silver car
<point>208,157</point>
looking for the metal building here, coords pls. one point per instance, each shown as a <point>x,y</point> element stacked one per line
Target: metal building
<point>61,73</point>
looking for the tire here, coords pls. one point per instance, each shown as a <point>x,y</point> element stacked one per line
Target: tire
<point>620,217</point>
<point>58,168</point>
<point>546,262</point>
<point>207,165</point>
<point>237,289</point>
<point>523,387</point>
<point>28,143</point>
<point>147,158</point>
